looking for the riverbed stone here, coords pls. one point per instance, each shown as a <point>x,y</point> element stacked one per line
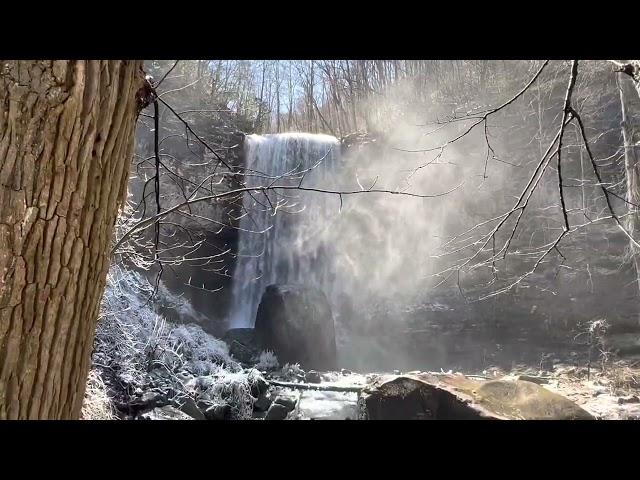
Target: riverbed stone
<point>288,403</point>
<point>189,406</point>
<point>147,401</point>
<point>312,377</point>
<point>218,412</point>
<point>259,385</point>
<point>628,399</point>
<point>242,344</point>
<point>276,412</point>
<point>262,403</point>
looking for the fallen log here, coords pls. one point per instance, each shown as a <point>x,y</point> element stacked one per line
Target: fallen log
<point>315,386</point>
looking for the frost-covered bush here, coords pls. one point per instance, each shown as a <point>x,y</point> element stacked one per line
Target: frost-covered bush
<point>97,405</point>
<point>135,338</point>
<point>267,361</point>
<point>133,343</point>
<point>225,387</point>
<point>201,353</point>
<point>292,372</point>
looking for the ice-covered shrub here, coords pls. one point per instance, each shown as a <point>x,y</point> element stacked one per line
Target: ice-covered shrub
<point>96,405</point>
<point>201,353</point>
<point>136,347</point>
<point>292,372</point>
<point>267,361</point>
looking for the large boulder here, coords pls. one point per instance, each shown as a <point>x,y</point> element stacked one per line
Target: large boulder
<point>296,323</point>
<point>218,412</point>
<point>411,398</point>
<point>189,406</point>
<point>455,397</point>
<point>524,400</point>
<point>276,412</point>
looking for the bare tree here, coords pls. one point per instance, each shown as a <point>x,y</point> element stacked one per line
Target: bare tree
<point>67,136</point>
<point>353,83</point>
<point>629,84</point>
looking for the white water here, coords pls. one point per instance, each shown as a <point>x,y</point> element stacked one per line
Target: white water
<point>283,239</point>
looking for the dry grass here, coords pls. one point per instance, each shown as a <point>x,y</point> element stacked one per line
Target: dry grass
<point>97,405</point>
<point>624,378</point>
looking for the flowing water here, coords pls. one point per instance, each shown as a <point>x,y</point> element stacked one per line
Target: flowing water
<point>282,237</point>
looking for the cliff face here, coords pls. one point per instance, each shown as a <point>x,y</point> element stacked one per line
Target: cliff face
<point>203,230</point>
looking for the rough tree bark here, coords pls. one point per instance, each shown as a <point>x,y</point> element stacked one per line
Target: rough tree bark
<point>630,104</point>
<point>66,140</point>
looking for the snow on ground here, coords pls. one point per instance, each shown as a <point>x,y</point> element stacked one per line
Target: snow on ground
<point>597,397</point>
<point>324,405</point>
<point>136,346</point>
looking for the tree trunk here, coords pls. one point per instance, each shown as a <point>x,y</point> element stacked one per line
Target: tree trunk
<point>630,104</point>
<point>66,140</point>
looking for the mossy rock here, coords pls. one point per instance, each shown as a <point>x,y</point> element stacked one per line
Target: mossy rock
<point>455,397</point>
<point>525,400</point>
<point>410,397</point>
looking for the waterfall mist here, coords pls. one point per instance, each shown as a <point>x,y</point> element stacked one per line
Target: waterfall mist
<point>376,254</point>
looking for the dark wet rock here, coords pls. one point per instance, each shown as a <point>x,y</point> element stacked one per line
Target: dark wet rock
<point>286,402</point>
<point>407,398</point>
<point>360,140</point>
<point>296,323</point>
<point>242,344</point>
<point>262,403</point>
<point>312,377</point>
<point>246,336</point>
<point>218,412</point>
<point>628,399</point>
<point>148,401</point>
<point>189,406</point>
<point>277,412</point>
<point>241,352</point>
<point>259,385</point>
<point>344,371</point>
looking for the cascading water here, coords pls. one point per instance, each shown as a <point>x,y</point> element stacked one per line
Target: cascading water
<point>283,233</point>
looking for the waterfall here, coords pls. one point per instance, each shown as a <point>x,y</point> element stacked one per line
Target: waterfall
<point>283,238</point>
